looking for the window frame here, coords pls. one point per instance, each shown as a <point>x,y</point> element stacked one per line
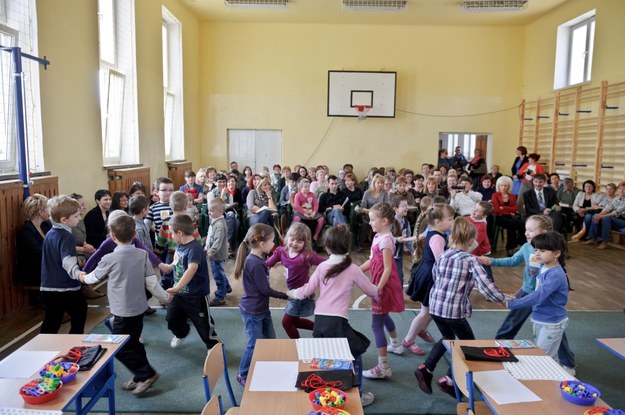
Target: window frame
<point>173,86</point>
<point>564,46</point>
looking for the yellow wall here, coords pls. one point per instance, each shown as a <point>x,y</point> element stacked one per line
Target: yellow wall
<point>68,36</point>
<point>274,76</point>
<point>540,47</point>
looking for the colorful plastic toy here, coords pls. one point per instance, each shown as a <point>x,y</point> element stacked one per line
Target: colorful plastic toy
<point>579,393</point>
<point>327,397</point>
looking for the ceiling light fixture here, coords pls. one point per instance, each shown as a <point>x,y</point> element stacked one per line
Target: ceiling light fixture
<point>257,4</point>
<point>489,6</point>
<point>375,5</point>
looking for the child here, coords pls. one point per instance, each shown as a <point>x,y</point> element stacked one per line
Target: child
<point>296,257</point>
<point>217,249</point>
<point>254,305</point>
<point>160,210</point>
<point>165,242</point>
<point>130,273</point>
<point>549,300</point>
<point>384,275</point>
<point>335,278</point>
<point>454,275</point>
<point>534,225</point>
<point>306,206</point>
<point>60,285</point>
<point>138,207</point>
<point>191,286</point>
<point>478,219</point>
<point>191,208</point>
<point>440,219</point>
<point>286,197</point>
<point>192,188</point>
<point>400,206</point>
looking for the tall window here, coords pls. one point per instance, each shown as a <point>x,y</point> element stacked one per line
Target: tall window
<point>574,50</point>
<point>18,27</point>
<point>118,93</point>
<point>172,87</point>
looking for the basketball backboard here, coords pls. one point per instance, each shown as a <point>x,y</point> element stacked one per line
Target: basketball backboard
<point>350,89</point>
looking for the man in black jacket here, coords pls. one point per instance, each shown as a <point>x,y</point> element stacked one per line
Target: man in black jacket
<point>543,200</point>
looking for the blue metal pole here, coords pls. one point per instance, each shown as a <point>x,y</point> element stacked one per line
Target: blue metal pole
<point>19,120</point>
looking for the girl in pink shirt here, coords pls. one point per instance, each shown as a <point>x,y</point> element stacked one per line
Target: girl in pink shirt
<point>306,207</point>
<point>384,275</point>
<point>335,278</point>
<point>297,258</point>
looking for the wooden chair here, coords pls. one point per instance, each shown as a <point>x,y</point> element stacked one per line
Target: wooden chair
<point>213,406</point>
<point>216,365</point>
<point>463,383</point>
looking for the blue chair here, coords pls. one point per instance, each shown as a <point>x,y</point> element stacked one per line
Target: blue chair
<point>216,365</point>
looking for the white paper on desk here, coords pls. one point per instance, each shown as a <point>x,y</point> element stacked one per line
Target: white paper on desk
<point>274,377</point>
<point>323,348</point>
<point>25,363</point>
<point>503,388</point>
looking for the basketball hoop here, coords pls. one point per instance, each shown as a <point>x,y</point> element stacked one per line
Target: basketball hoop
<point>361,111</point>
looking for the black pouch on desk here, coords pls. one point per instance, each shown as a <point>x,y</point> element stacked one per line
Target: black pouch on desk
<point>90,355</point>
<point>488,354</point>
<point>345,376</point>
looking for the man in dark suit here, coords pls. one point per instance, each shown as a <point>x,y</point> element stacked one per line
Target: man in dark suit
<point>543,200</point>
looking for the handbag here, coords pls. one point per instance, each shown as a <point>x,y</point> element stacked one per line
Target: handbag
<point>84,356</point>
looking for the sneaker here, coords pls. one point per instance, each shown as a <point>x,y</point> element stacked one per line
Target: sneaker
<point>445,387</point>
<point>377,372</point>
<point>145,385</point>
<point>602,245</point>
<point>176,342</point>
<point>366,398</point>
<point>108,322</point>
<point>426,336</point>
<point>424,377</point>
<point>216,302</point>
<point>413,348</point>
<point>129,385</point>
<point>399,349</point>
<point>241,379</point>
<point>569,370</point>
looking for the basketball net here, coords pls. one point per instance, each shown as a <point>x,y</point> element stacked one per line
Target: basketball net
<point>361,111</point>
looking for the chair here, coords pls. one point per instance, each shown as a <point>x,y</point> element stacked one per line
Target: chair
<point>214,366</point>
<point>213,406</point>
<point>463,383</point>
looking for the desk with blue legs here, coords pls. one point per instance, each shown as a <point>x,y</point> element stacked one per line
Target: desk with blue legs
<point>548,391</point>
<point>616,346</point>
<point>99,382</point>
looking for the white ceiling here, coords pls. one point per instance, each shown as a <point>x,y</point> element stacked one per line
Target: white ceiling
<point>419,12</point>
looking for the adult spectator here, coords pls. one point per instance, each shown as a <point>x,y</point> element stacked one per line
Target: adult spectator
<point>477,167</point>
<point>95,219</point>
<point>505,211</point>
<point>459,161</point>
<point>519,161</point>
<point>610,218</point>
<point>29,242</point>
<point>260,204</point>
<point>542,200</point>
<point>586,203</point>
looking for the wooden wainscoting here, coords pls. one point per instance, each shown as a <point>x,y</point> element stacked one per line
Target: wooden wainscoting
<point>13,296</point>
<point>121,180</point>
<point>175,171</point>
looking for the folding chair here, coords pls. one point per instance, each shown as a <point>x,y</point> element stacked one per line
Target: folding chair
<point>213,406</point>
<point>214,366</point>
<point>463,383</point>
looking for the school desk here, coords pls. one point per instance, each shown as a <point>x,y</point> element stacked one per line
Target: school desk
<point>99,382</point>
<point>280,350</point>
<point>548,391</point>
<point>616,346</point>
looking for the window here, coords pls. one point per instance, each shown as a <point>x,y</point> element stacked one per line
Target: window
<point>18,27</point>
<point>118,94</point>
<point>172,87</point>
<point>574,50</point>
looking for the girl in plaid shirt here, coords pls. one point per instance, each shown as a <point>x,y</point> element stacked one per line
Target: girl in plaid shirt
<point>454,274</point>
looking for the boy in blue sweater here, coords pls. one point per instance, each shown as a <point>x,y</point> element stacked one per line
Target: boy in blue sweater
<point>60,285</point>
<point>549,300</point>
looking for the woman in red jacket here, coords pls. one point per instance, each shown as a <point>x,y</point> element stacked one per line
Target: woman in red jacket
<point>505,211</point>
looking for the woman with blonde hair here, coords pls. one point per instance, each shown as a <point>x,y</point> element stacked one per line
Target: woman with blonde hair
<point>260,204</point>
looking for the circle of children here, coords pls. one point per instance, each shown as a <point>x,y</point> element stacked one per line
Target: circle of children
<point>280,216</point>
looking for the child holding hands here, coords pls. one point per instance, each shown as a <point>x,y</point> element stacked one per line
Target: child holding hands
<point>130,272</point>
<point>297,258</point>
<point>254,305</point>
<point>454,275</point>
<point>384,275</point>
<point>334,279</point>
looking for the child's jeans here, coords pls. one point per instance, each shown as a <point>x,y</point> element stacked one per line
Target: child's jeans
<point>232,222</point>
<point>217,269</point>
<point>257,326</point>
<point>548,336</point>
